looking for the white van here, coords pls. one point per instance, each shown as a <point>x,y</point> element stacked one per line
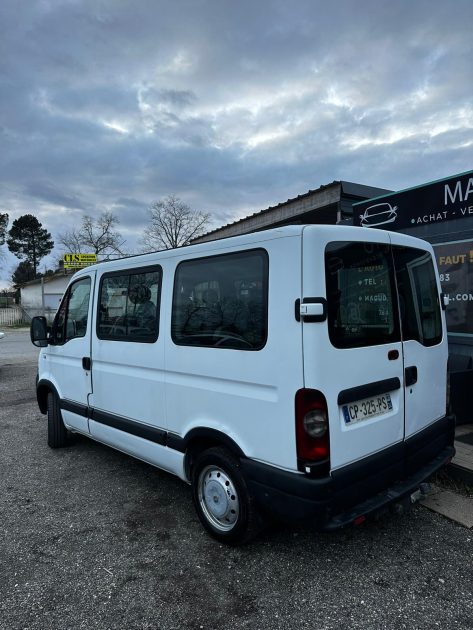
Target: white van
<point>298,372</point>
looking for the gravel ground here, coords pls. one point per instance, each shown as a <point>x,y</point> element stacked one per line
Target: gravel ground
<point>90,538</point>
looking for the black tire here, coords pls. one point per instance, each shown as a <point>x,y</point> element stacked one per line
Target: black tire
<point>221,498</point>
<point>57,432</point>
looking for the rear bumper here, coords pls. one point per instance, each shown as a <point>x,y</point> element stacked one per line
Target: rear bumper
<point>355,490</point>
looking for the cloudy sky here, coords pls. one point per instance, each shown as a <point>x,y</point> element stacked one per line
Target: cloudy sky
<point>232,106</point>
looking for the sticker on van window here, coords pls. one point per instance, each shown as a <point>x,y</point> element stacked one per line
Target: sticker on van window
<point>367,408</point>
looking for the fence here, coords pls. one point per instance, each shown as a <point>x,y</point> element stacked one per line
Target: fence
<point>14,316</point>
<point>17,315</point>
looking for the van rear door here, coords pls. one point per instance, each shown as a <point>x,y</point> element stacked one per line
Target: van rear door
<point>424,349</point>
<point>355,356</point>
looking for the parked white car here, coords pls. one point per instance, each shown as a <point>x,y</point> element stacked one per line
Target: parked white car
<point>2,335</point>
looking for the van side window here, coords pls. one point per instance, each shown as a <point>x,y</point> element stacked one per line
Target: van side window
<point>129,305</point>
<point>222,301</point>
<point>418,296</point>
<point>361,295</point>
<point>72,316</point>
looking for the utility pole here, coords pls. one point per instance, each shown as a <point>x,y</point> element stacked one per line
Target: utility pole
<point>43,308</point>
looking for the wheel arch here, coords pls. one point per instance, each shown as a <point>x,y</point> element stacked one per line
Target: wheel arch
<point>43,388</point>
<point>202,438</point>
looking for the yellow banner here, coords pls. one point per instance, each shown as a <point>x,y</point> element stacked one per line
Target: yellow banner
<point>78,261</point>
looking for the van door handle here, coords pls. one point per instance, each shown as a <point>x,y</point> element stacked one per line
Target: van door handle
<point>411,375</point>
<point>311,309</point>
<point>86,363</point>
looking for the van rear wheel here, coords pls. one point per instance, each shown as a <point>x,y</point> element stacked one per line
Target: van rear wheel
<point>57,432</point>
<point>221,498</point>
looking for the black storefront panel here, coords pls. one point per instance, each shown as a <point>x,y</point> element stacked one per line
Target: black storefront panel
<point>436,203</point>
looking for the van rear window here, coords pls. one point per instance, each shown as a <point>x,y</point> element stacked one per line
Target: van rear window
<point>418,296</point>
<point>362,309</point>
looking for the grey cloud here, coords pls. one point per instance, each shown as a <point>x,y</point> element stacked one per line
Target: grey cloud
<point>176,98</point>
<point>103,100</point>
<point>46,191</point>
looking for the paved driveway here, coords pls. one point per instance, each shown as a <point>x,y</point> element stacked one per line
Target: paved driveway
<point>90,538</point>
<point>16,347</point>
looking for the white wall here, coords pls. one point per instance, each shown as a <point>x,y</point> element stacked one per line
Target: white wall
<point>53,291</point>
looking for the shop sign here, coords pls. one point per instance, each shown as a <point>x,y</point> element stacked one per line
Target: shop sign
<point>79,261</point>
<point>444,200</point>
<point>455,263</point>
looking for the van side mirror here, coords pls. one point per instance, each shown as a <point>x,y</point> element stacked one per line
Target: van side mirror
<point>39,332</point>
<point>444,300</point>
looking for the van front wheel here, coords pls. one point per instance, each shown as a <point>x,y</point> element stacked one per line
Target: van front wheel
<point>57,432</point>
<point>221,498</point>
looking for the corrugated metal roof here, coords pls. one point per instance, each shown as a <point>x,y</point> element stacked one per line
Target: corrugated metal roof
<point>266,210</point>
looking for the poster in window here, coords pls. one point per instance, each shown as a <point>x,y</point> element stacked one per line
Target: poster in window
<point>455,263</point>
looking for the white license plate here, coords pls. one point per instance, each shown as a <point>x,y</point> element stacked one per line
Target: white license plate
<point>367,408</point>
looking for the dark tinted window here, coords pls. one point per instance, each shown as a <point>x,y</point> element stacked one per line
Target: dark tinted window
<point>221,302</point>
<point>418,296</point>
<point>129,305</point>
<point>72,316</point>
<point>362,307</point>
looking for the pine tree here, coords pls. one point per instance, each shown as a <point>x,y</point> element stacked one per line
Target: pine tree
<point>23,273</point>
<point>3,226</point>
<point>28,240</point>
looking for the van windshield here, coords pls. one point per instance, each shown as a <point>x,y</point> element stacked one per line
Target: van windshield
<point>363,280</point>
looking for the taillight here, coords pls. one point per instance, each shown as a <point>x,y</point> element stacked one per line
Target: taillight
<point>312,434</point>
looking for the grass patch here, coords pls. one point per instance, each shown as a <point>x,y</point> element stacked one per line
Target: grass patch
<point>445,481</point>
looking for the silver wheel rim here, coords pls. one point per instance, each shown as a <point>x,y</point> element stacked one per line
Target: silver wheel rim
<point>218,498</point>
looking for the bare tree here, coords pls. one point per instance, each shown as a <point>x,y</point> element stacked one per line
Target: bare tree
<point>172,224</point>
<point>72,241</point>
<point>95,236</point>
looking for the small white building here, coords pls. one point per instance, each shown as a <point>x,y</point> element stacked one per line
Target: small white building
<point>54,287</point>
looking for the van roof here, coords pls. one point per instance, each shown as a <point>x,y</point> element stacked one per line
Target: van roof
<point>188,250</point>
<point>339,232</point>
